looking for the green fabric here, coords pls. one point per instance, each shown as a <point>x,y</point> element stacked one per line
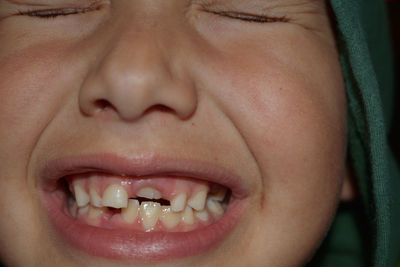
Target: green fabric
<point>367,233</point>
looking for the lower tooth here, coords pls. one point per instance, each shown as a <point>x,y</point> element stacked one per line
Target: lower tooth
<point>83,210</point>
<point>187,215</point>
<point>130,213</point>
<point>169,218</point>
<point>149,213</point>
<point>202,215</point>
<point>94,213</point>
<point>215,207</point>
<point>73,209</point>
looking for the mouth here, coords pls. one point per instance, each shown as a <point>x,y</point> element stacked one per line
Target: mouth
<point>142,209</point>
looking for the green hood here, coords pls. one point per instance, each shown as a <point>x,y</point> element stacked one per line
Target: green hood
<point>366,233</point>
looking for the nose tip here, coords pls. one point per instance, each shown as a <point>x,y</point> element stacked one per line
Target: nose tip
<point>137,77</point>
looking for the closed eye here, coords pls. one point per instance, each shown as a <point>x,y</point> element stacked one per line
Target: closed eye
<point>250,17</point>
<point>52,13</point>
<point>58,12</point>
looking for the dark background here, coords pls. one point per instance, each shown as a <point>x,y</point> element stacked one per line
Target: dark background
<point>394,12</point>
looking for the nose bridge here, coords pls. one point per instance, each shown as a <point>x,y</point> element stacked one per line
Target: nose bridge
<point>135,58</point>
<point>137,74</point>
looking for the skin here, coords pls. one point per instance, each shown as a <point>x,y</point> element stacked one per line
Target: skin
<point>177,78</point>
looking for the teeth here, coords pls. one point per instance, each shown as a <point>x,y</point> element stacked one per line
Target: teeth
<point>198,200</point>
<point>94,213</point>
<point>219,195</point>
<point>95,199</point>
<point>130,213</point>
<point>215,207</point>
<point>115,196</point>
<point>169,218</point>
<point>149,213</point>
<point>149,193</point>
<point>179,202</point>
<point>202,215</point>
<point>83,210</point>
<point>73,208</point>
<point>200,206</point>
<point>81,197</point>
<point>187,216</point>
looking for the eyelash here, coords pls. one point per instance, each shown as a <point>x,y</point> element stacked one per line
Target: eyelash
<point>54,13</point>
<point>250,17</point>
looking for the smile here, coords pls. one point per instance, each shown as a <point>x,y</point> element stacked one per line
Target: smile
<point>143,209</point>
<point>149,204</point>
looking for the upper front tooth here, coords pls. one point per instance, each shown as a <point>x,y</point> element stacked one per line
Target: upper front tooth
<point>198,200</point>
<point>149,213</point>
<point>95,198</point>
<point>81,197</point>
<point>179,202</point>
<point>149,193</point>
<point>115,196</point>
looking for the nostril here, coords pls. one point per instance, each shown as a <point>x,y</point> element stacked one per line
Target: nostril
<point>160,108</point>
<point>105,105</point>
<point>102,104</point>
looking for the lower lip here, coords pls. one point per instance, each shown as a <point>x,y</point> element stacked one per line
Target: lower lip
<point>139,246</point>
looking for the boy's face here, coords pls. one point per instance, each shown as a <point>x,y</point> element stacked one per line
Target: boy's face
<point>178,96</point>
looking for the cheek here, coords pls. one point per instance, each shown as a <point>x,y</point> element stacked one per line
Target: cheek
<point>294,124</point>
<point>292,116</point>
<point>30,98</point>
<point>25,94</point>
<point>33,86</point>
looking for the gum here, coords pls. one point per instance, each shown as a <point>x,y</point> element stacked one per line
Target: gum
<point>168,186</point>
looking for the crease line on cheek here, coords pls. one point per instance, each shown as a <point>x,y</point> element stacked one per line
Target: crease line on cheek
<point>253,156</point>
<point>28,166</point>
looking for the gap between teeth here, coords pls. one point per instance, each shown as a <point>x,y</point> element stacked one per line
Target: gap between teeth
<point>199,206</point>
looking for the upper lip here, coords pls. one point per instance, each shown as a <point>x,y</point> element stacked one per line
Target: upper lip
<point>143,165</point>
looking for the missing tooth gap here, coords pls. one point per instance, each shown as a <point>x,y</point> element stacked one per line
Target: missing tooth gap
<point>163,202</point>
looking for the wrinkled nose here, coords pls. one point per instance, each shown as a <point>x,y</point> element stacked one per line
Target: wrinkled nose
<point>138,73</point>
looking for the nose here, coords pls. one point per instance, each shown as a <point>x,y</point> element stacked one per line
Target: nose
<point>140,72</point>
